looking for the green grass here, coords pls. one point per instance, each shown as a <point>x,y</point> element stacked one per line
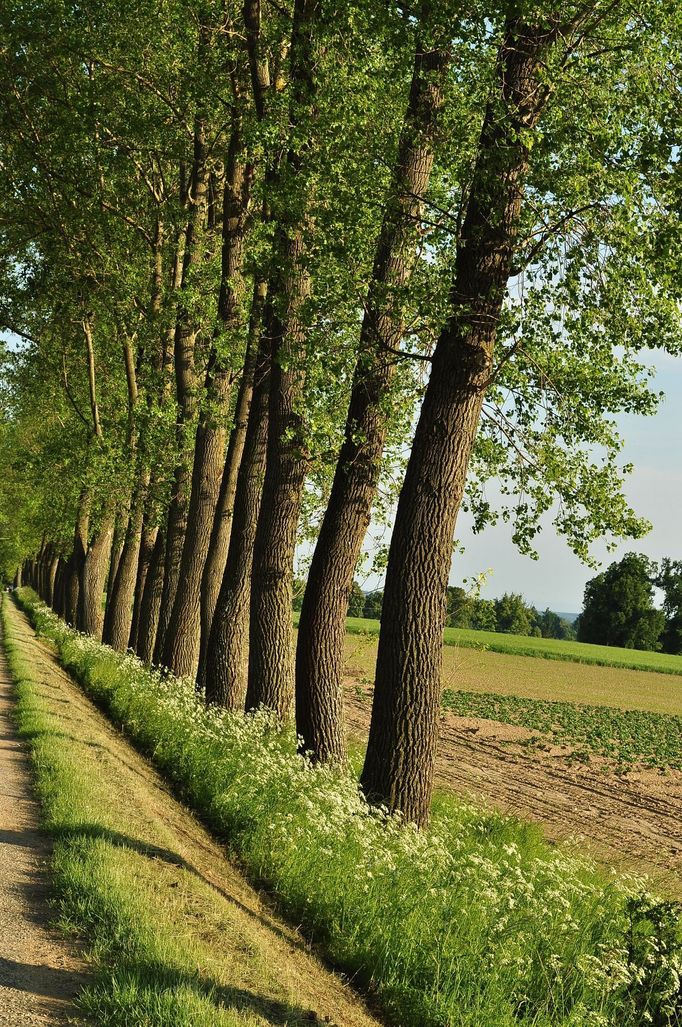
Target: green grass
<point>627,737</point>
<point>164,948</point>
<point>543,648</point>
<point>473,923</point>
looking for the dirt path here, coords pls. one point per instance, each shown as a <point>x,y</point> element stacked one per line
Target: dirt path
<point>260,965</point>
<point>632,822</point>
<point>38,974</point>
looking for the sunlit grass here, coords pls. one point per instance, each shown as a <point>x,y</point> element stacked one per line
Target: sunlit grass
<point>543,648</point>
<point>164,947</point>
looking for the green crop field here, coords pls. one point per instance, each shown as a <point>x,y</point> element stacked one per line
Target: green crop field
<point>544,648</point>
<point>625,737</point>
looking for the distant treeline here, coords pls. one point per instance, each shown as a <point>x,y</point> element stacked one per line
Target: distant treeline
<point>619,610</point>
<point>510,614</point>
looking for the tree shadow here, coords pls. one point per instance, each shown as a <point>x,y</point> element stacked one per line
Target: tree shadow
<point>40,979</point>
<point>99,832</point>
<point>154,975</point>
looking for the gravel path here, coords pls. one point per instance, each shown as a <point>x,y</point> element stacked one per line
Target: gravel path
<point>39,976</point>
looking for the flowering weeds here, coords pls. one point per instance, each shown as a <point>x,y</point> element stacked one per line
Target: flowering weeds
<point>473,923</point>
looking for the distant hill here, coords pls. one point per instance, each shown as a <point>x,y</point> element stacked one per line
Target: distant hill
<point>570,617</point>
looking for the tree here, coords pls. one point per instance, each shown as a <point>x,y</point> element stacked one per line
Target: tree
<point>460,607</point>
<point>619,608</point>
<point>512,614</point>
<point>484,615</point>
<point>356,603</point>
<point>494,245</point>
<point>373,603</point>
<point>553,626</point>
<point>670,580</point>
<point>319,651</point>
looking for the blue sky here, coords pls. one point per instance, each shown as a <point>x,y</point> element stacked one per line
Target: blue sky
<point>654,489</point>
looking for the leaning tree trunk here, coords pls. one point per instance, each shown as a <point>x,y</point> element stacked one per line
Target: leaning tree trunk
<point>216,560</point>
<point>226,668</point>
<point>398,768</point>
<point>95,568</point>
<point>117,543</point>
<point>51,580</point>
<point>59,588</point>
<point>322,623</point>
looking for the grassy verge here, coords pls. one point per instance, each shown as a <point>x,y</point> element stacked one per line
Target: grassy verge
<point>474,923</point>
<point>165,948</point>
<point>628,737</point>
<point>542,648</point>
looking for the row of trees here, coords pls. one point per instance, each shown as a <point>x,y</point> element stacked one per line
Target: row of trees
<point>272,268</point>
<point>510,614</point>
<point>619,605</point>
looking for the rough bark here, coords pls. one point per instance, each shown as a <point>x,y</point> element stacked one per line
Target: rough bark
<point>398,768</point>
<point>216,560</point>
<point>147,543</point>
<point>94,576</point>
<point>271,678</point>
<point>76,561</point>
<point>182,640</point>
<point>150,605</point>
<point>322,624</point>
<point>120,527</point>
<point>226,666</point>
<point>119,612</point>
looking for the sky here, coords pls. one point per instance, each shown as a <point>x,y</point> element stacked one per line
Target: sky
<point>654,489</point>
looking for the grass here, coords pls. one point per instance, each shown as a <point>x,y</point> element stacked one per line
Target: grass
<point>473,923</point>
<point>470,670</point>
<point>543,648</point>
<point>165,948</point>
<point>627,737</point>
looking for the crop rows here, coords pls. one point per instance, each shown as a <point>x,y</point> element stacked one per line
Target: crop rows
<point>627,737</point>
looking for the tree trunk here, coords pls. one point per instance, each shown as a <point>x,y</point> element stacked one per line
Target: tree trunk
<point>216,560</point>
<point>226,668</point>
<point>186,392</point>
<point>181,646</point>
<point>120,528</point>
<point>59,586</point>
<point>150,606</point>
<point>147,543</point>
<point>271,678</point>
<point>95,568</point>
<point>322,624</point>
<point>76,562</point>
<point>119,613</point>
<point>53,567</point>
<point>398,768</point>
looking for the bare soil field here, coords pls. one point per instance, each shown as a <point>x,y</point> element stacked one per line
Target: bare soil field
<point>631,821</point>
